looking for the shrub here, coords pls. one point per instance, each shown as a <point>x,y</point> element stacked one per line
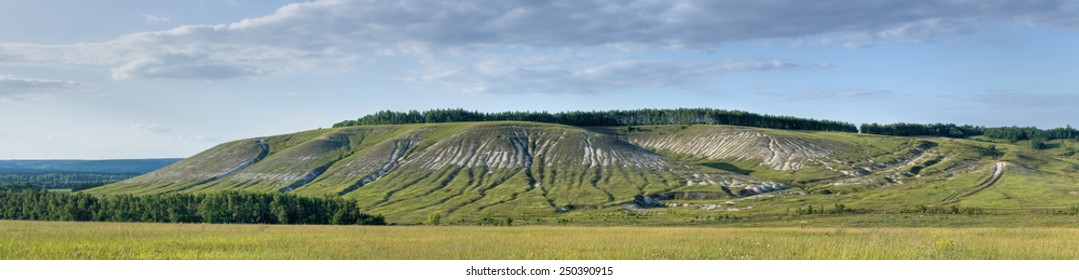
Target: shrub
<point>433,219</point>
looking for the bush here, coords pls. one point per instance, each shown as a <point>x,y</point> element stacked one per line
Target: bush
<point>1070,151</point>
<point>433,219</point>
<point>973,211</point>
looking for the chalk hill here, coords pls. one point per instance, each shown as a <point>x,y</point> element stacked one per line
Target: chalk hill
<point>480,171</point>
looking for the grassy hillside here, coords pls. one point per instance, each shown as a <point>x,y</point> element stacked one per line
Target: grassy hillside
<point>494,172</point>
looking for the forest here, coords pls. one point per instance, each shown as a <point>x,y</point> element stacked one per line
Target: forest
<point>220,207</point>
<point>683,116</point>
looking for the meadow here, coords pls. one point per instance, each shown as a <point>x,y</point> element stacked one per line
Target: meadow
<point>106,240</point>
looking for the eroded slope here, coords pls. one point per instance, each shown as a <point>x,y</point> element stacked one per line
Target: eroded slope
<point>469,172</point>
<point>459,169</point>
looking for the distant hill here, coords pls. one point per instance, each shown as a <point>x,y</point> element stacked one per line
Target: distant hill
<point>73,174</point>
<point>110,166</point>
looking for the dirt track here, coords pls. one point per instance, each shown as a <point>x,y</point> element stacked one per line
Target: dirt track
<point>998,172</point>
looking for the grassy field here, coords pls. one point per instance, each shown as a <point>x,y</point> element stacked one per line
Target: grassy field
<point>71,240</point>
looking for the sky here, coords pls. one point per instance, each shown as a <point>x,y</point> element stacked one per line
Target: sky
<point>156,79</point>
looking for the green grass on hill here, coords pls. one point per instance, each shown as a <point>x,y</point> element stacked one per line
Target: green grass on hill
<point>902,172</point>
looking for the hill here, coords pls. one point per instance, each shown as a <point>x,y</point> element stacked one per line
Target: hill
<point>460,169</point>
<point>486,172</point>
<point>109,166</point>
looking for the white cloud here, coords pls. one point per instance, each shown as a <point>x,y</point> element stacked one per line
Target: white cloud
<point>820,94</point>
<point>151,128</point>
<point>199,138</point>
<point>340,34</point>
<point>916,32</point>
<point>182,67</point>
<point>16,87</point>
<point>539,76</point>
<point>150,19</point>
<point>1036,101</point>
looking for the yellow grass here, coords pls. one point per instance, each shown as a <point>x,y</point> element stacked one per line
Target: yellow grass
<point>75,240</point>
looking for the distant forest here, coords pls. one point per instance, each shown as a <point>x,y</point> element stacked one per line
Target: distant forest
<point>73,181</point>
<point>74,174</point>
<point>607,118</point>
<point>221,207</point>
<point>107,166</point>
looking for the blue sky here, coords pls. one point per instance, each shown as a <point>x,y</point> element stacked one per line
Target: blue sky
<point>137,79</point>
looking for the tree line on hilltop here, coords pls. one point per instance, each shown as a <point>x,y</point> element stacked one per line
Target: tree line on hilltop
<point>222,207</point>
<point>682,116</point>
<point>689,116</point>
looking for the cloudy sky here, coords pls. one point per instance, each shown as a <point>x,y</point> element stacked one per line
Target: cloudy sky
<point>136,79</point>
